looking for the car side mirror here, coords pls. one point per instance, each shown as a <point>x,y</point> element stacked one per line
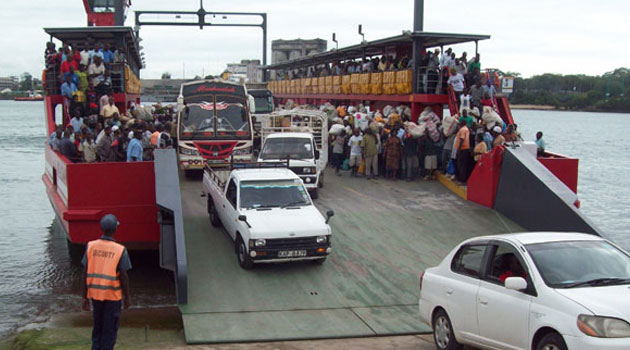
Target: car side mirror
<point>516,283</point>
<point>329,214</point>
<point>316,154</point>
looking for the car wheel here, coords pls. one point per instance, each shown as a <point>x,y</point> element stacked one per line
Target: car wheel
<point>213,214</point>
<point>314,194</point>
<point>443,333</point>
<point>551,341</point>
<point>241,254</point>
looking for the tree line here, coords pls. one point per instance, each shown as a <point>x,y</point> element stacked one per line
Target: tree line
<point>609,92</point>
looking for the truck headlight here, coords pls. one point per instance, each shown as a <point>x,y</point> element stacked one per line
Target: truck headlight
<point>308,170</point>
<point>238,152</point>
<point>188,151</point>
<point>603,327</point>
<point>322,239</point>
<point>260,243</point>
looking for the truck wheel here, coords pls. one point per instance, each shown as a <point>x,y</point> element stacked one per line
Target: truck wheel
<point>320,184</point>
<point>314,194</point>
<point>212,213</point>
<point>241,253</point>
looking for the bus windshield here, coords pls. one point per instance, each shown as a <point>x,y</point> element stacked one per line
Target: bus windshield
<point>226,119</point>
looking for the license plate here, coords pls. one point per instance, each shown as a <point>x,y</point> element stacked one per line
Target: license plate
<point>291,253</point>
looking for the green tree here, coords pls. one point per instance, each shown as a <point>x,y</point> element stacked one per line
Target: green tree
<point>26,81</point>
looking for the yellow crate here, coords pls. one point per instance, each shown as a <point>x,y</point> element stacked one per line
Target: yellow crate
<point>321,85</point>
<point>346,84</point>
<point>354,83</point>
<point>336,80</point>
<point>389,78</point>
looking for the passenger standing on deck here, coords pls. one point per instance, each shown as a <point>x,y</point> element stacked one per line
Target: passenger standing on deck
<point>464,158</point>
<point>104,146</point>
<point>499,140</point>
<point>410,151</point>
<point>96,71</point>
<point>109,110</point>
<point>106,283</point>
<point>338,144</point>
<point>480,148</point>
<point>456,80</point>
<point>67,147</point>
<point>540,144</point>
<point>369,147</point>
<point>392,154</point>
<point>134,149</point>
<point>355,151</point>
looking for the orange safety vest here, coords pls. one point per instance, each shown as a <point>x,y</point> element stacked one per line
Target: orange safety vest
<point>103,281</point>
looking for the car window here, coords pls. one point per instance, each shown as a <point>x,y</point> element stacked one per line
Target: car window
<point>468,260</point>
<point>231,193</point>
<point>505,262</point>
<point>569,263</point>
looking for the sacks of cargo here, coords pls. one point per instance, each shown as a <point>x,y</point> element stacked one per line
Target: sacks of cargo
<point>415,130</point>
<point>361,121</point>
<point>491,118</point>
<point>449,125</point>
<point>388,110</point>
<point>336,129</point>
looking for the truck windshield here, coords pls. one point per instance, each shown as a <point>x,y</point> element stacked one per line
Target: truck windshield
<point>287,147</point>
<point>264,104</point>
<point>274,193</point>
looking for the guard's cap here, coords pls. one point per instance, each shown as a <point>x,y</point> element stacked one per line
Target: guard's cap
<point>497,129</point>
<point>109,223</point>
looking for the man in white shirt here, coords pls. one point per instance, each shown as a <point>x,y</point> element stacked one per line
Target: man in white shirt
<point>85,55</point>
<point>456,80</point>
<point>109,110</point>
<point>96,71</point>
<point>445,61</point>
<point>355,151</point>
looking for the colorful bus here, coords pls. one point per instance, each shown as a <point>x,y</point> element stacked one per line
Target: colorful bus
<point>213,124</point>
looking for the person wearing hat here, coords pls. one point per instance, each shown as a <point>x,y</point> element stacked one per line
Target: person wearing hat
<point>499,140</point>
<point>106,283</point>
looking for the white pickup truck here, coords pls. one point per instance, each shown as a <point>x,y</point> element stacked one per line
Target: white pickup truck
<point>300,136</point>
<point>268,213</point>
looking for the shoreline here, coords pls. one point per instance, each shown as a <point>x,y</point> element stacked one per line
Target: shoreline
<point>534,107</point>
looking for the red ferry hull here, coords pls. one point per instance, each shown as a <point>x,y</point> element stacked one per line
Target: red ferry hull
<point>82,193</point>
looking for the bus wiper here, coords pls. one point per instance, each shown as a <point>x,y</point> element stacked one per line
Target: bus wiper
<point>607,281</point>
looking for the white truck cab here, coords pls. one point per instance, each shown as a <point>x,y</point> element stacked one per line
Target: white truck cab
<point>300,137</point>
<point>268,213</point>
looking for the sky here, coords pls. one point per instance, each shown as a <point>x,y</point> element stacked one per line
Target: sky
<point>529,37</point>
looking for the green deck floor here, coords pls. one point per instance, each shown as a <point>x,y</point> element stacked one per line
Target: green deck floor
<point>385,234</point>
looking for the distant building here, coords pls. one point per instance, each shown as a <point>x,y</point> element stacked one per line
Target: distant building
<point>283,50</point>
<point>12,83</point>
<point>161,90</point>
<point>248,70</point>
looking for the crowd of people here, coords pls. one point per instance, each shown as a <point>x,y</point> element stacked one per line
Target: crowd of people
<point>436,71</point>
<point>389,144</point>
<point>96,129</point>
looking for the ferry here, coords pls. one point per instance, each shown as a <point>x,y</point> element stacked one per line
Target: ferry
<point>386,232</point>
<point>81,193</point>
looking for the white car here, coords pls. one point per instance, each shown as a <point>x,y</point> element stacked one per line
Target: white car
<point>534,291</point>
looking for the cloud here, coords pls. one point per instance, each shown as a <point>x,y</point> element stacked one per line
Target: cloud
<point>530,37</point>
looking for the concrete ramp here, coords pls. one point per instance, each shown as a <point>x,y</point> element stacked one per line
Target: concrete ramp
<point>531,195</point>
<point>385,234</point>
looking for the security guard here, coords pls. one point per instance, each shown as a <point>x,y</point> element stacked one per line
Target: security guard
<point>106,283</point>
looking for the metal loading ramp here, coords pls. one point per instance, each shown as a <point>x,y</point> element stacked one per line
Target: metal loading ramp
<point>384,235</point>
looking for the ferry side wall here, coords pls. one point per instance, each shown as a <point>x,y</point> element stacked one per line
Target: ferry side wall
<point>532,196</point>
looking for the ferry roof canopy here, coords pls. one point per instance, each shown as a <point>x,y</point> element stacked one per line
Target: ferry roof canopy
<point>378,47</point>
<point>78,35</point>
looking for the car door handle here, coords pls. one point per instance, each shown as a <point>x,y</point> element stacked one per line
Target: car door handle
<point>483,301</point>
<point>449,291</point>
